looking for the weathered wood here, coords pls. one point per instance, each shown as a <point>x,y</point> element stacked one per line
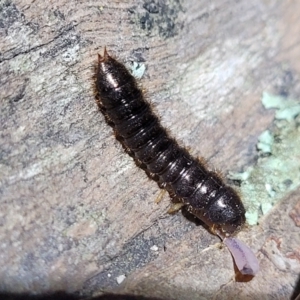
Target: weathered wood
<point>76,212</point>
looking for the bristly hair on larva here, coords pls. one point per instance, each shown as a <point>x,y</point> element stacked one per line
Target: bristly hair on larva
<point>202,192</point>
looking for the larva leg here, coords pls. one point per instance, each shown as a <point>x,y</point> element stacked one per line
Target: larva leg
<point>175,207</point>
<point>160,196</point>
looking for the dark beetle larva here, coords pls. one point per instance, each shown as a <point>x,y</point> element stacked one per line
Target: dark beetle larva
<point>202,192</point>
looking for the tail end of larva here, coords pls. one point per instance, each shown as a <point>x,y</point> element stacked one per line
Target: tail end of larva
<point>103,58</point>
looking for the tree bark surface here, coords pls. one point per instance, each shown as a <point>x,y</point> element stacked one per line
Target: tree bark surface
<point>76,212</point>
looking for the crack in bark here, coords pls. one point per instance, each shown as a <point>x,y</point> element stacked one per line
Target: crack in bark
<point>66,30</point>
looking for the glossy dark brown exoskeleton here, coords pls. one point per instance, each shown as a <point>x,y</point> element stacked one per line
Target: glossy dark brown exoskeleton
<point>202,192</point>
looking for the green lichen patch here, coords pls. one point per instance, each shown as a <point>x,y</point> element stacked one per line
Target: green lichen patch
<point>278,173</point>
<point>265,142</point>
<point>286,109</point>
<point>137,69</point>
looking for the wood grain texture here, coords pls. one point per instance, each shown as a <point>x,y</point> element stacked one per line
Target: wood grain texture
<point>75,210</point>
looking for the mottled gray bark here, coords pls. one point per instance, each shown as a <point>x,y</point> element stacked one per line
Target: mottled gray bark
<point>76,212</point>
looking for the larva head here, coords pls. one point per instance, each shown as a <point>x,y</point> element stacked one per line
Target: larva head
<point>226,212</point>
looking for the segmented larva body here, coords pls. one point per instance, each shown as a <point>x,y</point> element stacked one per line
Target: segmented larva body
<point>203,192</point>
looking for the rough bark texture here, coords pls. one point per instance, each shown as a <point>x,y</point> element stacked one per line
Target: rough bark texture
<point>76,212</point>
